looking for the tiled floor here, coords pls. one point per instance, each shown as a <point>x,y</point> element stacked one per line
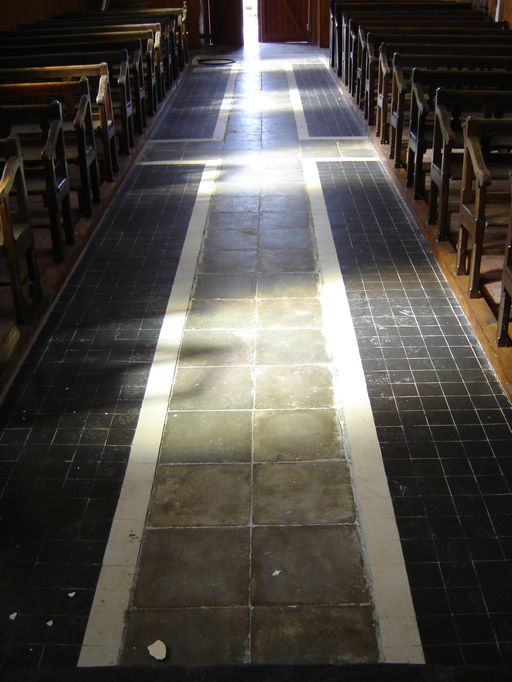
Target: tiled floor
<point>252,544</point>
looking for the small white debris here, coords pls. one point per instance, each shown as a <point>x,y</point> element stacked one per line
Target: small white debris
<point>158,650</point>
<point>71,594</point>
<point>13,615</point>
<point>49,623</point>
<point>277,572</point>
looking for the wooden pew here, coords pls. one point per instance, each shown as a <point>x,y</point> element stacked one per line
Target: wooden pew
<point>357,23</point>
<point>169,56</point>
<point>97,41</point>
<point>40,132</point>
<point>177,16</point>
<point>101,100</point>
<point>421,120</point>
<point>484,205</point>
<point>451,109</point>
<point>16,237</point>
<point>401,85</point>
<point>502,335</point>
<point>118,68</point>
<point>358,49</point>
<point>339,31</point>
<point>86,28</point>
<point>78,128</point>
<point>436,45</point>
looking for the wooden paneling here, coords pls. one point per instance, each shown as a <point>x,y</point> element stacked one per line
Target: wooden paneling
<point>283,20</point>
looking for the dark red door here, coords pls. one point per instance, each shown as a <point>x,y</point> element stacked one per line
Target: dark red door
<point>283,20</point>
<point>226,22</point>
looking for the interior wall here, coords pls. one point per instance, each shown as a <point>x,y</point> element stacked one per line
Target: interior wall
<point>15,12</point>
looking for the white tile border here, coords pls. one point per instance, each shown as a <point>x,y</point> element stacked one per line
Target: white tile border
<point>397,630</point>
<point>227,105</point>
<point>296,102</point>
<point>104,633</point>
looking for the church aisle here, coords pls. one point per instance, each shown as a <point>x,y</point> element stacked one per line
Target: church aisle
<point>196,448</point>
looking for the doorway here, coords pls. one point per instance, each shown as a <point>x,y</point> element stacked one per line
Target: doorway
<point>251,31</point>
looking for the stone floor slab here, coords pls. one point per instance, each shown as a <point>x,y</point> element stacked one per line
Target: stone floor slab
<point>201,495</point>
<point>282,435</point>
<point>203,567</point>
<point>329,572</point>
<point>308,635</point>
<point>287,285</point>
<point>216,348</point>
<point>197,636</point>
<point>288,313</point>
<point>293,386</point>
<point>214,436</point>
<point>214,388</point>
<point>303,492</point>
<point>221,314</point>
<point>297,346</point>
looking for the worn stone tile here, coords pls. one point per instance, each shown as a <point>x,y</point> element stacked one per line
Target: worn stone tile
<point>278,220</point>
<point>201,495</point>
<point>203,567</point>
<point>287,285</point>
<point>286,260</point>
<point>292,386</point>
<point>239,239</point>
<point>296,435</point>
<point>234,204</point>
<point>216,348</point>
<point>209,286</point>
<point>286,239</point>
<point>207,437</point>
<point>285,202</point>
<point>232,220</point>
<point>221,314</point>
<point>297,346</point>
<point>214,388</point>
<point>196,636</point>
<point>230,262</point>
<point>329,572</point>
<point>313,635</point>
<point>284,313</point>
<point>303,492</point>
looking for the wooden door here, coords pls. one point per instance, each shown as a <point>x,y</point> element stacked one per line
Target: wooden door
<point>226,22</point>
<point>283,20</point>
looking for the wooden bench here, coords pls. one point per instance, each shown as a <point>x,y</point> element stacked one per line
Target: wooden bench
<point>451,109</point>
<point>339,31</point>
<point>403,66</point>
<point>101,100</point>
<point>169,55</point>
<point>120,86</point>
<point>358,23</point>
<point>40,131</point>
<point>484,205</point>
<point>502,335</point>
<point>96,42</point>
<point>16,237</point>
<point>436,45</point>
<point>86,29</point>
<point>176,16</point>
<point>422,114</point>
<point>358,53</point>
<point>78,128</point>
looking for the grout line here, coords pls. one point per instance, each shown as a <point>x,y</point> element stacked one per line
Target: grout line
<point>103,637</point>
<point>397,629</point>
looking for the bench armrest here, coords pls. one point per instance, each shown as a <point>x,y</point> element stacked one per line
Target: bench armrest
<point>400,80</point>
<point>9,176</point>
<point>443,118</point>
<point>48,152</point>
<point>385,65</point>
<point>81,114</point>
<point>482,174</point>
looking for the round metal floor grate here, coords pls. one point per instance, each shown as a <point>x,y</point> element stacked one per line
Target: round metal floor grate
<point>215,61</point>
